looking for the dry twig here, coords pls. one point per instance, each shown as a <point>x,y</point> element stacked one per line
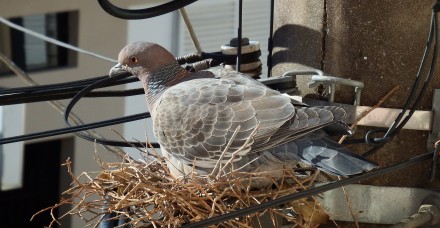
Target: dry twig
<point>130,189</point>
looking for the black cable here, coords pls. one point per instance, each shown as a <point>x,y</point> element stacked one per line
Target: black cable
<point>62,95</point>
<point>427,80</point>
<point>55,96</point>
<point>398,122</point>
<point>73,129</point>
<point>68,89</point>
<point>143,13</point>
<point>88,137</point>
<point>309,192</point>
<point>378,142</point>
<point>232,59</point>
<point>270,40</point>
<point>56,85</point>
<point>61,89</point>
<point>239,38</point>
<point>59,94</point>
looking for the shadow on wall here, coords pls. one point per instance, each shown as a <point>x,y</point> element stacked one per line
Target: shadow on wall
<point>298,44</point>
<point>308,48</point>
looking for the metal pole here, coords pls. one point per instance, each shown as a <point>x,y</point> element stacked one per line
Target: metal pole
<point>270,41</point>
<point>240,17</point>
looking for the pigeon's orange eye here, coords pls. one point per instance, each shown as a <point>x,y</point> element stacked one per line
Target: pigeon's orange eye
<point>133,59</point>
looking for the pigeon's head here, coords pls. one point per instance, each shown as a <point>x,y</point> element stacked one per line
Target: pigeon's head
<point>142,59</point>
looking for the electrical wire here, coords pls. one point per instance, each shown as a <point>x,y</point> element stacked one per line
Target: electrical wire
<point>70,89</point>
<point>31,98</point>
<point>86,136</point>
<point>57,85</point>
<point>270,40</point>
<point>398,122</point>
<point>73,129</point>
<point>54,41</point>
<point>239,34</point>
<point>137,14</point>
<point>62,91</point>
<point>66,90</point>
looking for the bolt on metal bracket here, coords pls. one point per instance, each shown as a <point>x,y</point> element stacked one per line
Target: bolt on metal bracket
<point>331,82</point>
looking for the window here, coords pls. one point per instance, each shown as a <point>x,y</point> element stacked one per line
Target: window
<point>31,53</point>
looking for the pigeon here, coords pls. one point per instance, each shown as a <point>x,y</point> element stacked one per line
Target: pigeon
<point>218,121</point>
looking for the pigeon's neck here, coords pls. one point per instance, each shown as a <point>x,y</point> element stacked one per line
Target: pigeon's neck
<point>163,79</point>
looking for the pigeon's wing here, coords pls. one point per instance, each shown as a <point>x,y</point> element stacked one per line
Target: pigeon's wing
<point>305,121</point>
<point>196,119</point>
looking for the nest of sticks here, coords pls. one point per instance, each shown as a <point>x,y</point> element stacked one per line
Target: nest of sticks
<point>144,194</point>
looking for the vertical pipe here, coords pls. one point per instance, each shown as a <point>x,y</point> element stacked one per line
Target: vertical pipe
<point>270,41</point>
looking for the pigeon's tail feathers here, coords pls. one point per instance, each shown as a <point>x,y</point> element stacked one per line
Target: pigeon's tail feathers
<point>320,151</point>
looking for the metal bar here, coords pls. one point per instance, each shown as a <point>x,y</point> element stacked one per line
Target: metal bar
<point>270,41</point>
<point>240,18</point>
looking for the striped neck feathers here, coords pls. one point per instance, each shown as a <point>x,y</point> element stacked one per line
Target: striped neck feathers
<point>162,79</point>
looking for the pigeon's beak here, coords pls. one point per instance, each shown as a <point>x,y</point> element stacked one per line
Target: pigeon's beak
<point>117,69</point>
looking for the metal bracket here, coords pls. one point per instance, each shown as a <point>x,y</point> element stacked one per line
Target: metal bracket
<point>380,117</point>
<point>318,78</point>
<point>330,81</point>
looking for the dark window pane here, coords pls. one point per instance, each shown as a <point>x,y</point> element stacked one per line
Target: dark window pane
<point>30,53</point>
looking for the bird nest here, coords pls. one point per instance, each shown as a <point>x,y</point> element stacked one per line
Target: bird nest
<point>145,194</point>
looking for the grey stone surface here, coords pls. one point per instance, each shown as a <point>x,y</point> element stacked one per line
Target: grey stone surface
<point>377,42</point>
<point>298,37</point>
